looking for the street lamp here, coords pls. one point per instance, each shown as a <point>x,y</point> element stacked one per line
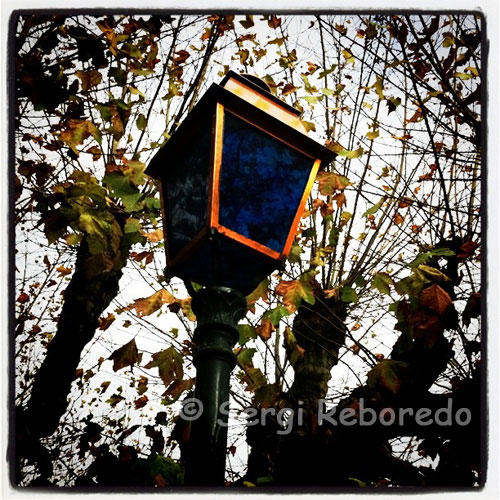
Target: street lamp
<point>234,179</point>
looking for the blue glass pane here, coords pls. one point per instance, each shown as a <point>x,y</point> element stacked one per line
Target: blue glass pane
<point>185,192</point>
<point>224,262</point>
<point>261,183</point>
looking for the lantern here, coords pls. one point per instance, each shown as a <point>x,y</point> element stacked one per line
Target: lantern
<point>234,179</point>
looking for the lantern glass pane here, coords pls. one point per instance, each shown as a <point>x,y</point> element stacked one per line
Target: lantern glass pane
<point>185,192</point>
<point>261,183</point>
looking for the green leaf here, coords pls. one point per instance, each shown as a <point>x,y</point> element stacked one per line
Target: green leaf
<point>169,364</point>
<point>245,357</point>
<point>360,483</point>
<point>132,226</point>
<point>295,252</point>
<point>275,314</point>
<point>122,188</point>
<point>357,153</point>
<point>379,87</point>
<point>374,208</point>
<point>131,50</point>
<point>360,281</point>
<point>372,135</point>
<point>141,122</point>
<point>246,332</point>
<point>126,355</point>
<point>312,99</point>
<point>348,294</point>
<point>101,234</point>
<point>387,374</point>
<point>382,282</point>
<point>118,75</point>
<point>327,71</point>
<point>432,273</point>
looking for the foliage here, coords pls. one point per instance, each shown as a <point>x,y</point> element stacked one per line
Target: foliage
<point>380,297</point>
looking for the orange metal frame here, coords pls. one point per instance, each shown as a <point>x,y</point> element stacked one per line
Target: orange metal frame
<point>213,196</point>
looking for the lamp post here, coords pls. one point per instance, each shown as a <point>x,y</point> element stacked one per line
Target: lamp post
<point>233,179</point>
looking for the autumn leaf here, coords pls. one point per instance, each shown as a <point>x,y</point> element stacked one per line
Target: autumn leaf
<point>289,89</point>
<point>472,308</point>
<point>398,218</point>
<point>329,182</point>
<point>435,298</point>
<point>467,249</point>
<point>64,271</point>
<point>248,22</point>
<point>265,329</point>
<point>293,292</point>
<point>169,364</point>
<point>177,387</point>
<point>23,297</point>
<point>274,21</point>
<point>340,199</point>
<point>387,374</point>
<point>149,305</point>
<point>89,79</point>
<point>372,135</point>
<point>141,402</point>
<point>181,56</point>
<point>155,236</point>
<point>126,355</point>
<point>105,323</point>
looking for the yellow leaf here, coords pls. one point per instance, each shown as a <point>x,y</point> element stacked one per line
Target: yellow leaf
<point>148,305</point>
<point>64,271</point>
<point>155,236</point>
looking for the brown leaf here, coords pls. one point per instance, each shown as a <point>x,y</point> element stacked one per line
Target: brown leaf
<point>265,329</point>
<point>289,89</point>
<point>274,21</point>
<point>398,218</point>
<point>340,199</point>
<point>467,249</point>
<point>472,309</point>
<point>126,355</point>
<point>36,329</point>
<point>435,298</point>
<point>24,297</point>
<point>182,56</point>
<point>141,402</point>
<point>105,323</point>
